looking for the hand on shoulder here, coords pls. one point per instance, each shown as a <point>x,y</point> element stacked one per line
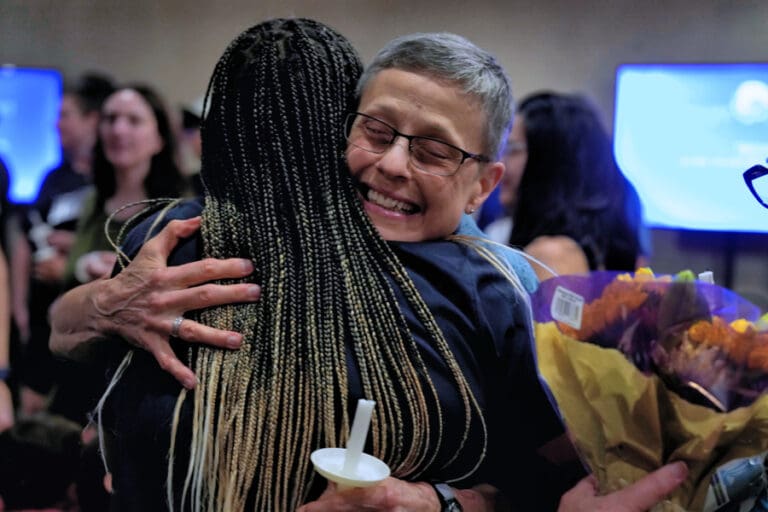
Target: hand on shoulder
<point>145,303</point>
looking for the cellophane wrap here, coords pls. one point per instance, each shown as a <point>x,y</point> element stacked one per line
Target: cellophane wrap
<point>648,370</point>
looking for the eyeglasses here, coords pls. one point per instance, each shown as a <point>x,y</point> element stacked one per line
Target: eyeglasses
<point>428,155</point>
<point>757,181</point>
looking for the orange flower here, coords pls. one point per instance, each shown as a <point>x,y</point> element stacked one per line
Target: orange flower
<point>741,343</point>
<point>619,299</point>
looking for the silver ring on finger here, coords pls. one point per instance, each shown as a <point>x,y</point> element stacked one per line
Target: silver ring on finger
<point>176,326</point>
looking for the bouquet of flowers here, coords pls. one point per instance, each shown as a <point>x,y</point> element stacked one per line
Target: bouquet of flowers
<point>647,370</point>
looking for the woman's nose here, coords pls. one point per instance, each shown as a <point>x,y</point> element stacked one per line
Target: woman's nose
<point>119,125</point>
<point>395,161</point>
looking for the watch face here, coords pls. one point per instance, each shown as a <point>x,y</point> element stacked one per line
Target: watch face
<point>447,498</point>
<point>453,506</point>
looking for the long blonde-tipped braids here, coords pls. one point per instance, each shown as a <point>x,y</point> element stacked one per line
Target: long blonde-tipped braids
<point>278,192</point>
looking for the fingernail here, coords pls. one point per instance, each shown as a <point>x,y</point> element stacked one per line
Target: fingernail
<point>247,266</point>
<point>679,471</point>
<point>234,341</point>
<point>254,291</point>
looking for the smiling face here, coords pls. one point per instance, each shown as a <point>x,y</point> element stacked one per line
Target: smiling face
<point>406,204</point>
<point>129,131</point>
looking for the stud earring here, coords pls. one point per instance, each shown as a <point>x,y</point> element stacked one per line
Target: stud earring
<point>469,210</point>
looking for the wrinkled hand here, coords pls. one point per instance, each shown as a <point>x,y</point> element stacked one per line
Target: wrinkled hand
<point>141,302</point>
<point>638,497</point>
<point>389,495</point>
<point>6,407</point>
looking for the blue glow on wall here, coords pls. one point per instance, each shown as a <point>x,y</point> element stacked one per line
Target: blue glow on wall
<point>29,142</point>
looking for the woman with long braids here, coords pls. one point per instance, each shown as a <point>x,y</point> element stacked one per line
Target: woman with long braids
<point>332,296</point>
<point>276,188</point>
<point>362,294</point>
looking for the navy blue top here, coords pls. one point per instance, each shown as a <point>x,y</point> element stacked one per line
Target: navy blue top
<point>483,322</point>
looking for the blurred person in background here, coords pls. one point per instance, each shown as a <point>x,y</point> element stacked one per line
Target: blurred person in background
<point>38,465</point>
<point>191,145</point>
<point>6,396</point>
<point>45,233</point>
<point>134,160</point>
<point>569,205</point>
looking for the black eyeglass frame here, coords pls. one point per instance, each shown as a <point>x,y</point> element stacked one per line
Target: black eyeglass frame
<point>395,134</point>
<point>750,175</point>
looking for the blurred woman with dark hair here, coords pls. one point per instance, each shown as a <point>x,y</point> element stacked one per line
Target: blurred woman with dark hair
<point>571,207</point>
<point>134,160</point>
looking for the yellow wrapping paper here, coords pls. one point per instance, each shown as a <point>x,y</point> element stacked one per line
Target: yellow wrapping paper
<point>626,424</point>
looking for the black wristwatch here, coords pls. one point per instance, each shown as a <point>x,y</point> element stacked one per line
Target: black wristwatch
<point>448,501</point>
<point>5,373</point>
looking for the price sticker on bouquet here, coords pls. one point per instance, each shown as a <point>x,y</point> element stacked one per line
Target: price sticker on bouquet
<point>567,307</point>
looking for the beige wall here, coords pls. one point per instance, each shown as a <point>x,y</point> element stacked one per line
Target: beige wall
<point>562,44</point>
<point>567,45</point>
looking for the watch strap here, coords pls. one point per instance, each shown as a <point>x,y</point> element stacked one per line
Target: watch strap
<point>5,373</point>
<point>447,497</point>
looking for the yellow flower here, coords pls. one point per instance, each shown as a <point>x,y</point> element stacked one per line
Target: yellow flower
<point>742,325</point>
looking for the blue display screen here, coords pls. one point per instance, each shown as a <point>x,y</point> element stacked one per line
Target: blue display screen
<point>684,133</point>
<point>29,142</point>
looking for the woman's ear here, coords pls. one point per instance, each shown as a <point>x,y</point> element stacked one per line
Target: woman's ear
<point>489,178</point>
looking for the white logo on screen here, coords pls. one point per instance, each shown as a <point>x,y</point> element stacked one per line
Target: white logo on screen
<point>749,104</point>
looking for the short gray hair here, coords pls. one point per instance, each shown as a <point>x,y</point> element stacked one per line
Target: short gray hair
<point>455,59</point>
